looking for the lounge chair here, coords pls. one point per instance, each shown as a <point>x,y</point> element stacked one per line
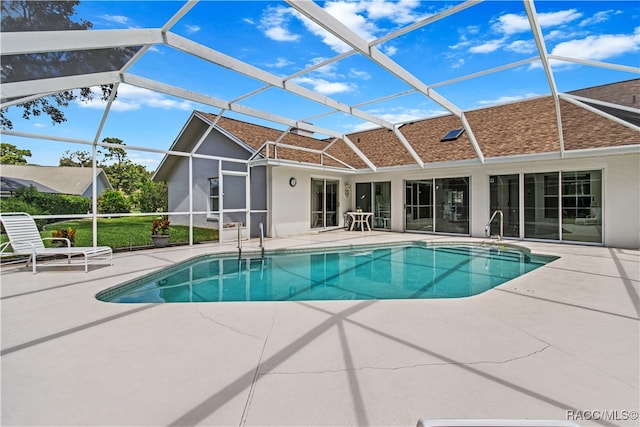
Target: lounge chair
<point>25,239</point>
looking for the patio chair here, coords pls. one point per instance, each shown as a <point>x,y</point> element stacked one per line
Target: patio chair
<point>25,239</point>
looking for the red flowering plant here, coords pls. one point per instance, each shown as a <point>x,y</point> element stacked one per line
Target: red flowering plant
<point>160,226</point>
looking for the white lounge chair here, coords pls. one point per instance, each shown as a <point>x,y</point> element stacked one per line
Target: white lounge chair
<point>25,239</point>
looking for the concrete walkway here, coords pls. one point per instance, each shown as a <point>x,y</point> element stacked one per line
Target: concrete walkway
<point>552,344</point>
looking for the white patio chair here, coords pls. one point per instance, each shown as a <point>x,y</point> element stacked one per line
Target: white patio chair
<point>25,239</point>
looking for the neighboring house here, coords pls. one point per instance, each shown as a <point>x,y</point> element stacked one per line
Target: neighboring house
<point>55,179</point>
<point>578,183</point>
<point>8,186</point>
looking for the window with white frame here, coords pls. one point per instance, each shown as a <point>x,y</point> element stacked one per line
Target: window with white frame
<point>213,207</point>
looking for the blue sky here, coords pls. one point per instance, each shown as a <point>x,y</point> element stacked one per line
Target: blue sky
<point>273,37</point>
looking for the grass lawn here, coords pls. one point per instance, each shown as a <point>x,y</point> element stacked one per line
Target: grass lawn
<point>127,231</point>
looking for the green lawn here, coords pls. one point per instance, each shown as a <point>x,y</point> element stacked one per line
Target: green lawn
<point>127,231</point>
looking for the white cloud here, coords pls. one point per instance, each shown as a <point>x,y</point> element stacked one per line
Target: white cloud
<point>118,19</point>
<point>274,24</point>
<point>487,47</point>
<point>599,17</point>
<point>397,115</point>
<point>279,63</point>
<point>389,50</point>
<point>506,99</point>
<point>521,46</point>
<point>601,47</point>
<point>457,63</point>
<point>359,74</point>
<point>401,12</point>
<point>325,87</point>
<point>361,17</point>
<point>511,23</point>
<point>192,29</point>
<point>131,98</point>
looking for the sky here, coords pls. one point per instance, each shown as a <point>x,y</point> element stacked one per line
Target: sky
<point>273,37</point>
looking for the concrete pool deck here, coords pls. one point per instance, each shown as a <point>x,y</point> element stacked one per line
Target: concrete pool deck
<point>555,343</point>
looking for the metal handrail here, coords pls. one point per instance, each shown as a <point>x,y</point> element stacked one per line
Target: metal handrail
<point>262,239</point>
<point>487,228</point>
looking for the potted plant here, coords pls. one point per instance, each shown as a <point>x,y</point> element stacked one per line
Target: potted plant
<point>160,232</point>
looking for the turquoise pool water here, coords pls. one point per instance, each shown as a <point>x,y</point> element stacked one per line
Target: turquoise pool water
<point>397,272</point>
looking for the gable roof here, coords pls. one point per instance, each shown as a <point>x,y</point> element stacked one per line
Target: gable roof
<point>9,185</point>
<point>61,179</point>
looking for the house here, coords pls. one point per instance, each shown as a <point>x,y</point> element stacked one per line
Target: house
<point>54,179</point>
<point>576,179</point>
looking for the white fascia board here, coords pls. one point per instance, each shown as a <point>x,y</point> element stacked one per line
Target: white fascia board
<point>25,42</point>
<point>603,151</point>
<point>57,84</point>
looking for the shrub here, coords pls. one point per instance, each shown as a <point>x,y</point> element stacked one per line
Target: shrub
<point>113,201</point>
<point>152,196</point>
<point>67,233</point>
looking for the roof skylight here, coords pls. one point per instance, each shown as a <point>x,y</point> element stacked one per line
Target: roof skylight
<point>452,135</point>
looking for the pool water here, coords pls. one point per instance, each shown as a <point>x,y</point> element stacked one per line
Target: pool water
<point>397,272</point>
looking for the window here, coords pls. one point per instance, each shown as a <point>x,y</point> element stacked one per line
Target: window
<point>452,135</point>
<point>214,196</point>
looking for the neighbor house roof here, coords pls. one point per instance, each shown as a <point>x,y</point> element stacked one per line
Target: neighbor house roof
<point>9,185</point>
<point>61,179</point>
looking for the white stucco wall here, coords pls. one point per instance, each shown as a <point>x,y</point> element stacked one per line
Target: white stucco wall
<point>290,207</point>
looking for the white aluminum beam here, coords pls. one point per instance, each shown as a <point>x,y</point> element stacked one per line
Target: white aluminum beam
<point>325,20</point>
<point>24,42</point>
<point>359,153</point>
<point>601,113</point>
<point>208,54</point>
<point>544,57</point>
<point>57,84</point>
<point>627,68</point>
<point>430,20</point>
<point>408,146</point>
<point>218,103</point>
<point>598,102</point>
<point>179,15</point>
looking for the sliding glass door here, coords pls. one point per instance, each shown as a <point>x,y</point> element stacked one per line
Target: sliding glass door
<point>375,197</point>
<point>440,205</point>
<point>419,205</point>
<point>504,195</point>
<point>324,203</point>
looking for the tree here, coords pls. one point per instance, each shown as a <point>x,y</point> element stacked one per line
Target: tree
<point>12,155</point>
<point>153,197</point>
<point>113,201</point>
<point>26,15</point>
<point>119,154</point>
<point>76,159</point>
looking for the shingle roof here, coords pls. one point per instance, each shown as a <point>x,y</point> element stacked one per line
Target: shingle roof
<point>519,128</point>
<point>65,180</point>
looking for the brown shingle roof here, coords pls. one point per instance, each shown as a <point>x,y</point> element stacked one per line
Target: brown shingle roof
<point>520,128</point>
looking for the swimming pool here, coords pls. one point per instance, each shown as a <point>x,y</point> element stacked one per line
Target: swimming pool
<point>391,272</point>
